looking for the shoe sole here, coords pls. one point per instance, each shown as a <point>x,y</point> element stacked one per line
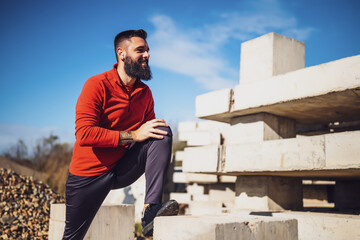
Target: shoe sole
<point>170,208</point>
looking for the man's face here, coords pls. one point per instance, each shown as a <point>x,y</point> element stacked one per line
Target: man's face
<point>136,59</point>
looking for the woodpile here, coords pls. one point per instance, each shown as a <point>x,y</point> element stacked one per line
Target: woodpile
<point>24,206</point>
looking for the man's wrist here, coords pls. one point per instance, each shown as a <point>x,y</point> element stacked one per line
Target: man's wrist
<point>126,137</point>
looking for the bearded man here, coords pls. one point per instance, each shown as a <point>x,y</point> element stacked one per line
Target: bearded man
<point>118,139</point>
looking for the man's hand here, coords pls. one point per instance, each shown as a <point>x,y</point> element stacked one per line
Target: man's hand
<point>148,130</point>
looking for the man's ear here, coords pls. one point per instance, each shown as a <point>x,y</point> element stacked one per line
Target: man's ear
<point>120,53</point>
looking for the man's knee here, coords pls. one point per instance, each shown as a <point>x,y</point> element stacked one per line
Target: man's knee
<point>167,129</point>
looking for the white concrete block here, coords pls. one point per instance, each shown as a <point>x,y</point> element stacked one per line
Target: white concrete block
<point>227,179</point>
<point>222,195</point>
<point>195,189</point>
<point>205,208</point>
<point>299,85</point>
<point>270,55</point>
<point>133,194</point>
<point>201,159</point>
<point>216,102</point>
<point>187,126</point>
<point>182,177</point>
<point>224,227</point>
<point>276,155</point>
<point>200,198</point>
<point>57,221</point>
<point>110,222</point>
<point>335,151</point>
<point>184,198</point>
<point>201,178</point>
<point>179,177</point>
<point>179,155</point>
<point>343,150</point>
<point>200,138</point>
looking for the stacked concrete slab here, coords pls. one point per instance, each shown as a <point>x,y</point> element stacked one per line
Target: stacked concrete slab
<point>215,192</point>
<point>284,126</point>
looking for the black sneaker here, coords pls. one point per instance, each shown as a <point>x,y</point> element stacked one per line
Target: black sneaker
<point>169,208</point>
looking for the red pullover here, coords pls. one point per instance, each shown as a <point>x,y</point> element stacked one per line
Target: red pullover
<point>105,107</point>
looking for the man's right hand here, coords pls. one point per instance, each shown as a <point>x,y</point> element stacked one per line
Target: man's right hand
<point>148,130</point>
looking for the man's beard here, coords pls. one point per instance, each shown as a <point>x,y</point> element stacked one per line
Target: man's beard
<point>136,70</point>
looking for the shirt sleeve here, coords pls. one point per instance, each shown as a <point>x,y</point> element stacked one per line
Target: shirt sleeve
<point>89,108</point>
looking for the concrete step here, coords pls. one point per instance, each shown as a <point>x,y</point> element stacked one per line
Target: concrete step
<point>229,227</point>
<point>259,225</point>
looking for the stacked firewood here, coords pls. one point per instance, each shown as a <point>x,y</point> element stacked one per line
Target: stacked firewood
<point>24,206</point>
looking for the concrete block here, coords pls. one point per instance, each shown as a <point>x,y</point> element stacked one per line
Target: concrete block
<point>225,196</point>
<point>212,126</point>
<point>342,150</point>
<point>195,189</point>
<point>323,155</point>
<point>224,227</point>
<point>205,208</point>
<point>184,198</point>
<point>268,193</point>
<point>200,138</point>
<point>179,177</point>
<point>270,55</point>
<point>347,195</point>
<point>187,126</point>
<point>110,222</point>
<point>57,221</point>
<point>259,127</point>
<point>217,102</point>
<point>179,155</point>
<point>227,179</point>
<point>276,155</point>
<point>200,198</point>
<point>201,159</point>
<point>182,177</point>
<point>201,178</point>
<point>133,194</point>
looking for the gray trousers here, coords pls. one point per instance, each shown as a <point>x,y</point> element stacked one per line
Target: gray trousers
<point>84,195</point>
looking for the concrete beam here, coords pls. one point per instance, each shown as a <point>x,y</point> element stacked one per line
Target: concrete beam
<point>334,97</point>
<point>224,227</point>
<point>213,103</point>
<point>184,177</point>
<point>330,155</point>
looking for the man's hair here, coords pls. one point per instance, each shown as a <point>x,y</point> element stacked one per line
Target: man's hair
<point>125,35</point>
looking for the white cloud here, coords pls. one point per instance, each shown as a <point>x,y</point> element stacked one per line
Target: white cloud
<point>195,52</point>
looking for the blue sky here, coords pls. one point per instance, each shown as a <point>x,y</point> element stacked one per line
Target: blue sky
<point>48,49</point>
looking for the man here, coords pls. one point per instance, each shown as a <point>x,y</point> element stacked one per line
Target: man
<point>118,138</point>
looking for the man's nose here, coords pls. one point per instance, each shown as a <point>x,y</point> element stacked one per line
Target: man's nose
<point>146,54</point>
